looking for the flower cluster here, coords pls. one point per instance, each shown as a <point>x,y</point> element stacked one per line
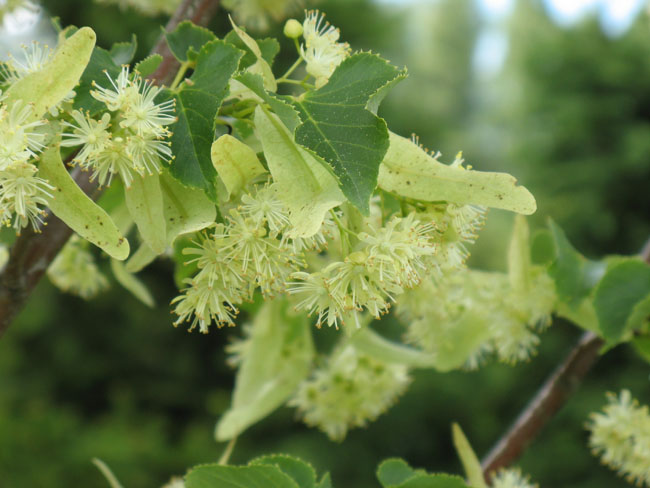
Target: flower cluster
<point>388,260</point>
<point>511,478</point>
<point>496,317</point>
<point>74,270</point>
<point>22,192</point>
<point>321,51</point>
<point>132,140</point>
<point>349,391</point>
<point>249,251</point>
<point>620,435</point>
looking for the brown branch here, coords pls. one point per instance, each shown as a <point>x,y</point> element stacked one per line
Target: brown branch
<point>549,399</point>
<point>33,251</point>
<point>200,12</point>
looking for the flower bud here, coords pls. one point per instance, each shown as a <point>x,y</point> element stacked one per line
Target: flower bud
<point>292,29</point>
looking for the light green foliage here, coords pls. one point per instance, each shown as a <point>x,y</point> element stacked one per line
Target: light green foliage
<point>395,471</point>
<point>471,464</point>
<point>307,189</point>
<point>213,475</point>
<point>145,203</point>
<point>45,88</point>
<point>78,211</point>
<point>274,359</point>
<point>301,472</point>
<point>197,103</point>
<point>625,285</point>
<point>337,126</point>
<point>148,65</point>
<point>186,40</point>
<point>123,52</point>
<point>409,171</point>
<point>131,283</point>
<point>186,210</point>
<point>261,66</point>
<point>236,163</point>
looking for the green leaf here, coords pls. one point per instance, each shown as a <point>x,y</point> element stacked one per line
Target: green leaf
<point>471,464</point>
<point>100,69</point>
<point>642,346</point>
<point>187,39</point>
<point>261,66</point>
<point>325,481</point>
<point>409,171</point>
<point>123,52</point>
<point>369,342</point>
<point>542,248</point>
<point>197,103</point>
<point>145,203</point>
<point>337,126</point>
<point>304,185</point>
<point>235,162</point>
<point>574,275</point>
<point>395,471</point>
<point>45,88</point>
<point>131,283</point>
<point>216,476</point>
<point>277,359</point>
<point>269,48</point>
<point>77,210</point>
<point>624,286</point>
<point>434,481</point>
<point>583,314</point>
<point>299,471</point>
<point>282,108</point>
<point>186,210</point>
<point>148,65</point>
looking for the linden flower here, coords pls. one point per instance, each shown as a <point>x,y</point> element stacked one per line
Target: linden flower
<point>123,93</point>
<point>90,133</point>
<point>620,435</point>
<point>143,114</point>
<point>316,297</point>
<point>22,194</point>
<point>18,140</point>
<point>511,478</point>
<point>321,51</point>
<point>34,57</point>
<point>351,390</point>
<point>202,304</point>
<point>266,208</point>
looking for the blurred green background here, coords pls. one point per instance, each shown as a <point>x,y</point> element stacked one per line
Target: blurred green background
<point>566,109</point>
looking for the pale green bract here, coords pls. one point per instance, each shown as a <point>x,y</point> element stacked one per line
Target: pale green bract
<point>304,185</point>
<point>78,211</point>
<point>45,88</point>
<point>409,171</point>
<point>276,357</point>
<point>235,162</point>
<point>145,203</point>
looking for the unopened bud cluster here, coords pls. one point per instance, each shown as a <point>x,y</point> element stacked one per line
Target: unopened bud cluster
<point>349,391</point>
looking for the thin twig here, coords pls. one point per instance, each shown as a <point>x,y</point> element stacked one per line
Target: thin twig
<point>33,251</point>
<point>548,400</point>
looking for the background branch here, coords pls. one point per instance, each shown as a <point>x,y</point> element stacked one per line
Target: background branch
<point>33,251</point>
